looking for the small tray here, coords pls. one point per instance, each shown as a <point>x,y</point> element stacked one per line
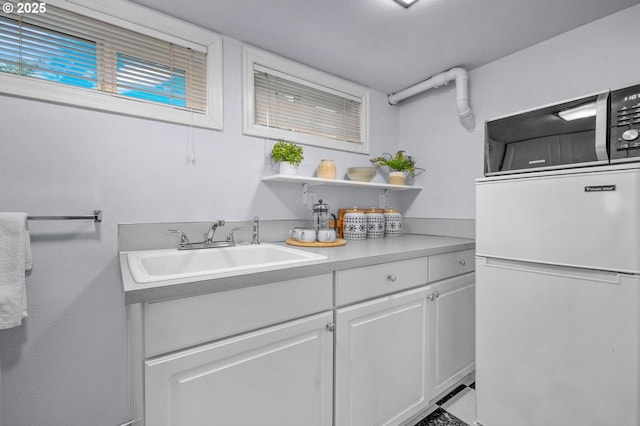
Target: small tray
<point>337,243</point>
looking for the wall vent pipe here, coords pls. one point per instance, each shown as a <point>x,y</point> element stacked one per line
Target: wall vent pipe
<point>462,93</point>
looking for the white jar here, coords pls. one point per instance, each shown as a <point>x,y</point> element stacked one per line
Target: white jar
<point>326,169</point>
<point>354,225</point>
<point>375,223</point>
<point>392,223</point>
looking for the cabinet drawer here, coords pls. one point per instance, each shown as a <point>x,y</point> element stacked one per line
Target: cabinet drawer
<point>353,285</point>
<point>447,265</point>
<point>179,323</point>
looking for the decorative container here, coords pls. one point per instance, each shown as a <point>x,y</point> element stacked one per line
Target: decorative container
<point>375,223</point>
<point>287,168</point>
<point>354,224</point>
<point>361,174</point>
<point>326,169</point>
<point>397,178</point>
<point>392,223</point>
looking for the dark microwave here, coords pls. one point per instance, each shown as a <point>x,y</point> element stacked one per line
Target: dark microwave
<point>592,130</point>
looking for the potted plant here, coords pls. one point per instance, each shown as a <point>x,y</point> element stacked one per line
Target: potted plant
<point>400,166</point>
<point>288,155</point>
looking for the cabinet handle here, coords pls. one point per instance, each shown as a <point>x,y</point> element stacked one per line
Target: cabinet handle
<point>462,262</point>
<point>436,294</point>
<point>331,327</point>
<point>392,278</point>
<point>430,297</point>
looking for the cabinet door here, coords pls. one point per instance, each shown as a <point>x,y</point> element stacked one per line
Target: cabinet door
<point>453,311</point>
<point>381,360</point>
<point>278,376</point>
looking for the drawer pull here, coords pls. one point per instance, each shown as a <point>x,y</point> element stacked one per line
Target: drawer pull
<point>392,278</point>
<point>462,262</point>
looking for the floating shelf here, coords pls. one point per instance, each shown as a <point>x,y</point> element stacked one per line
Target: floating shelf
<point>313,181</point>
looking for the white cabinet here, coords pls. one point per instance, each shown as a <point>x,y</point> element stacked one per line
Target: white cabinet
<point>382,359</point>
<point>277,376</point>
<point>404,334</point>
<point>256,355</point>
<point>395,354</point>
<point>452,313</point>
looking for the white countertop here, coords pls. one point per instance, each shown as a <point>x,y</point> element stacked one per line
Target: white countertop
<point>354,254</point>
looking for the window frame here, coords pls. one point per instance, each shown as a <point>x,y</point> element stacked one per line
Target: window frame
<point>145,21</point>
<point>253,56</point>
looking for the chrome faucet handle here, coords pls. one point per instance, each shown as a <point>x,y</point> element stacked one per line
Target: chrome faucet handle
<point>230,234</point>
<point>183,237</point>
<point>212,230</point>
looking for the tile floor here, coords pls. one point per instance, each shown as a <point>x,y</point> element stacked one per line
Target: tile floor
<point>458,408</point>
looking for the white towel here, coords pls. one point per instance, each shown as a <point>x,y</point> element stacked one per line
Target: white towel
<point>15,259</point>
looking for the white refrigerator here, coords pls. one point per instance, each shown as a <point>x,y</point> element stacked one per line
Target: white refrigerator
<point>558,298</point>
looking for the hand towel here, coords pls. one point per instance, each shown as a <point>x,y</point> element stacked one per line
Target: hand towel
<point>15,259</point>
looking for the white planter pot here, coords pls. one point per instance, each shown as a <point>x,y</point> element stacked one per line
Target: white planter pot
<point>287,168</point>
<point>397,178</point>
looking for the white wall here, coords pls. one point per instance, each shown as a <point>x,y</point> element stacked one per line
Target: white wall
<point>591,58</point>
<point>67,364</point>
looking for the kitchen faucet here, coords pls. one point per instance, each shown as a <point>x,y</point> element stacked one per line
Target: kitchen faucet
<point>208,238</point>
<point>209,235</point>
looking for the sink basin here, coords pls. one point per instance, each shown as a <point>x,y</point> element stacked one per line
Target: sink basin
<point>162,265</point>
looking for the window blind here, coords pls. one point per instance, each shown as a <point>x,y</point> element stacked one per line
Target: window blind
<point>69,48</point>
<point>289,103</point>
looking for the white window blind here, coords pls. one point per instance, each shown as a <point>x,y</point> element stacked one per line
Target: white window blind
<point>72,49</point>
<point>289,103</point>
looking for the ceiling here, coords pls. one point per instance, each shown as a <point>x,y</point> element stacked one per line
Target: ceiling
<point>382,45</point>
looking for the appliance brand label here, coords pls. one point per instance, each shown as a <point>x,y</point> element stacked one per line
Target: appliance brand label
<point>537,161</point>
<point>599,188</point>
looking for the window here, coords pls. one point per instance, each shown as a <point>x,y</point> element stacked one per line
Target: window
<point>284,99</point>
<point>139,78</point>
<point>79,56</point>
<point>33,51</point>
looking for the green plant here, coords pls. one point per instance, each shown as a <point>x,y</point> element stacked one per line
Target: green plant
<point>400,162</point>
<point>287,151</point>
<point>22,68</point>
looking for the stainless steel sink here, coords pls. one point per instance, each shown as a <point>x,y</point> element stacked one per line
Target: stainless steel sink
<point>161,265</point>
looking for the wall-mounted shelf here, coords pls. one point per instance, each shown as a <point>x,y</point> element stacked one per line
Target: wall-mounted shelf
<point>309,181</point>
<point>313,181</point>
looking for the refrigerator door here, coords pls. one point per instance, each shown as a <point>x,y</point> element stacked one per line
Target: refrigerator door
<point>556,346</point>
<point>581,219</point>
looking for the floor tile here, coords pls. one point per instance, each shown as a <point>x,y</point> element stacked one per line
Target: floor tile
<point>441,418</point>
<point>464,406</point>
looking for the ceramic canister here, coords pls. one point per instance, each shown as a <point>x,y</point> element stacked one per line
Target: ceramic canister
<point>375,223</point>
<point>327,169</point>
<point>354,225</point>
<point>392,223</point>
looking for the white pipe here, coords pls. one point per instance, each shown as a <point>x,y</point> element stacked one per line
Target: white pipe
<point>462,95</point>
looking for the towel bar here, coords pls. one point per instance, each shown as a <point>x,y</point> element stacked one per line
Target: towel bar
<point>97,217</point>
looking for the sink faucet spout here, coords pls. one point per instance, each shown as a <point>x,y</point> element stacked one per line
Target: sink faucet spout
<point>212,230</point>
